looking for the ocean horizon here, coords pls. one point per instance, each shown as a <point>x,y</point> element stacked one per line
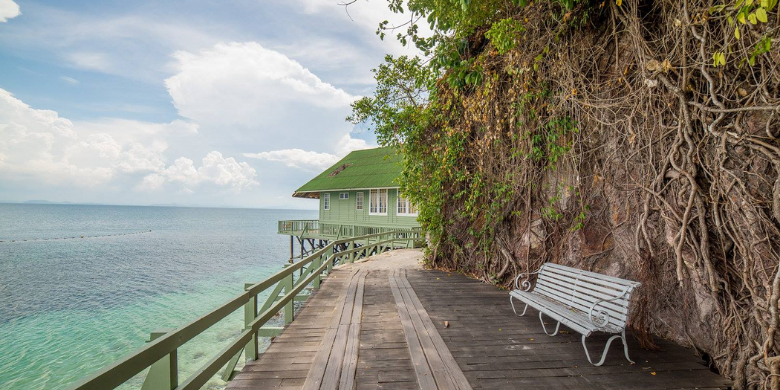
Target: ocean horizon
<point>83,285</point>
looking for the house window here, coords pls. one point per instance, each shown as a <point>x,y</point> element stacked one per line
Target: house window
<point>359,200</point>
<point>405,207</point>
<point>377,200</point>
<point>343,195</point>
<point>326,201</point>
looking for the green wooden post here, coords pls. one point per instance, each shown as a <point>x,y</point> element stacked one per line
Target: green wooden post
<point>164,373</point>
<point>351,256</point>
<point>250,312</point>
<point>288,308</point>
<point>316,263</point>
<point>329,258</point>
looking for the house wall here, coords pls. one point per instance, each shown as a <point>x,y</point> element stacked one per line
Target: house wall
<point>344,212</point>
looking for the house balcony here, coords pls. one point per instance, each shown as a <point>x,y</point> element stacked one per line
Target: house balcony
<point>313,228</point>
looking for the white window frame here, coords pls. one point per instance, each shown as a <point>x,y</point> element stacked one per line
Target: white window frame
<point>378,205</point>
<point>359,200</point>
<point>326,201</point>
<point>407,204</point>
<point>343,195</point>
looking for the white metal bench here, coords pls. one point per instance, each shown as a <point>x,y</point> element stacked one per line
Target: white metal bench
<point>586,302</point>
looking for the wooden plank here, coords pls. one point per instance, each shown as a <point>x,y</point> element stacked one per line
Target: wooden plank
<point>422,371</point>
<point>334,367</point>
<point>347,380</point>
<point>443,380</point>
<point>317,371</point>
<point>453,373</point>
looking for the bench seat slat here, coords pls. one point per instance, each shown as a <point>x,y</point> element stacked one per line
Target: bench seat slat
<point>591,295</point>
<point>584,297</point>
<point>615,318</point>
<point>574,319</point>
<point>607,281</point>
<point>578,299</point>
<point>590,289</point>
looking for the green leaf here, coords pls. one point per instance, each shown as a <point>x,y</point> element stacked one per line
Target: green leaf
<point>761,15</point>
<point>748,2</point>
<point>718,59</point>
<point>736,32</point>
<point>719,8</point>
<point>730,20</point>
<point>752,18</point>
<point>764,3</point>
<point>741,18</point>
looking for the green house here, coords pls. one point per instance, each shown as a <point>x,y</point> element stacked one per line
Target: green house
<point>358,195</point>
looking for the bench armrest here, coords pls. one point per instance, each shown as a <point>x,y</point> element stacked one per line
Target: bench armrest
<point>603,314</point>
<point>526,281</point>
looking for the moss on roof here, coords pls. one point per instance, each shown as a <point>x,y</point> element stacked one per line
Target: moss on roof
<point>370,168</point>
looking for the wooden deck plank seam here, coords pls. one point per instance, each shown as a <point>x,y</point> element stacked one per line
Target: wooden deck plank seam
<point>443,380</point>
<point>452,368</point>
<point>317,371</point>
<point>422,370</point>
<point>348,373</point>
<point>446,371</point>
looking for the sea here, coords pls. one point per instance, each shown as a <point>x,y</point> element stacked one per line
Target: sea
<point>83,285</point>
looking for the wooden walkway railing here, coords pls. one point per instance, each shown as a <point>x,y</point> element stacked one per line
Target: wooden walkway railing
<point>160,354</point>
<point>314,228</point>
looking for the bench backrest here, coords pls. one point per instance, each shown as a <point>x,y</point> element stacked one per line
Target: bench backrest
<point>581,289</point>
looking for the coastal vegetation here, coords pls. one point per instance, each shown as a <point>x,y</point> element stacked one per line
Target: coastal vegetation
<point>638,138</point>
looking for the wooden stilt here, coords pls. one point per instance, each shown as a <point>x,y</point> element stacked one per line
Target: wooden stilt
<point>291,249</point>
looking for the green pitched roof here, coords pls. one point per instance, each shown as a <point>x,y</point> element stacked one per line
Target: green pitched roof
<point>370,168</point>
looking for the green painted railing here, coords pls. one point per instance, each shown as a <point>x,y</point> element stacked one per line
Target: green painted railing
<point>160,354</point>
<point>313,227</point>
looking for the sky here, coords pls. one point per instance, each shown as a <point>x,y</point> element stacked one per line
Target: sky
<point>223,103</point>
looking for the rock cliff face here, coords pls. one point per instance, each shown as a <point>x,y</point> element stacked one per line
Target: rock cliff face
<point>617,142</point>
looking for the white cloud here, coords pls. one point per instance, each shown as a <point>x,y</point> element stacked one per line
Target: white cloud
<point>298,158</point>
<point>8,10</point>
<point>40,146</point>
<point>245,83</point>
<point>150,182</point>
<point>69,80</point>
<point>347,144</point>
<point>126,131</point>
<point>309,160</point>
<point>90,61</point>
<point>227,171</point>
<point>215,168</point>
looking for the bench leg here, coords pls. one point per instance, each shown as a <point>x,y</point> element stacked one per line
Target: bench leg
<point>622,336</point>
<point>545,329</point>
<point>513,307</point>
<point>625,346</point>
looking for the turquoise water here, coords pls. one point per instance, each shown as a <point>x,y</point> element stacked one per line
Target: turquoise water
<point>70,305</point>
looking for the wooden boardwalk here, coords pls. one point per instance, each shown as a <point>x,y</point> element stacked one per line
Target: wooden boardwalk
<point>369,328</point>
